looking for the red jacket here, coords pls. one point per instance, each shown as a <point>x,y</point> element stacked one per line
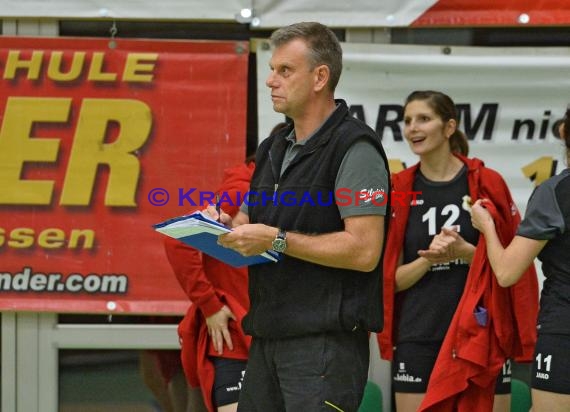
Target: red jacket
<point>471,356</point>
<point>210,284</point>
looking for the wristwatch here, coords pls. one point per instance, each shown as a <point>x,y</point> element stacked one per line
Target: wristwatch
<point>280,242</point>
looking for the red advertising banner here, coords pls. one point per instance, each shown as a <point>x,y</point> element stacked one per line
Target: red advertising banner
<point>498,13</point>
<point>99,140</point>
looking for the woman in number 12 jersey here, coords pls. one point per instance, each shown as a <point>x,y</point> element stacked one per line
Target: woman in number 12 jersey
<point>449,329</point>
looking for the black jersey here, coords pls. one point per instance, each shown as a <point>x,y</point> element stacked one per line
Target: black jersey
<point>425,310</point>
<point>547,217</point>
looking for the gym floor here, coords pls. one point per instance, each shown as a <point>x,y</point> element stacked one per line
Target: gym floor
<point>102,381</point>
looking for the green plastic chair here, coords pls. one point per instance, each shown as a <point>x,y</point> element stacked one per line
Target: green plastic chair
<point>520,396</point>
<point>372,399</point>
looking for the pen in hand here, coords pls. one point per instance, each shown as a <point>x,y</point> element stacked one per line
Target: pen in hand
<point>218,209</point>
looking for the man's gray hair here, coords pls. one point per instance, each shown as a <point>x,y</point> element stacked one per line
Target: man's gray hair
<point>324,47</point>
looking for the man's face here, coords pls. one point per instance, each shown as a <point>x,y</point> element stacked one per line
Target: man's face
<point>291,79</point>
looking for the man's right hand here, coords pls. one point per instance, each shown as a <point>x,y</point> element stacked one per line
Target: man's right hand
<point>222,217</point>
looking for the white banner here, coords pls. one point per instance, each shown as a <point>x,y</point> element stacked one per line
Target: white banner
<point>340,13</point>
<point>197,10</point>
<point>510,101</point>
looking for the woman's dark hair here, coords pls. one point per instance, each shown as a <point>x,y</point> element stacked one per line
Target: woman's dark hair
<point>250,158</point>
<point>566,136</point>
<point>278,127</point>
<point>444,107</point>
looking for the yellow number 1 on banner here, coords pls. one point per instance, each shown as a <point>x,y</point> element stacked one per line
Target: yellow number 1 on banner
<point>540,170</point>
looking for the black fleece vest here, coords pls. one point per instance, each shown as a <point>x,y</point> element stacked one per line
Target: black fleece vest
<point>295,297</point>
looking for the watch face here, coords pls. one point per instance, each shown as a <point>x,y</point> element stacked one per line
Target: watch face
<point>279,245</point>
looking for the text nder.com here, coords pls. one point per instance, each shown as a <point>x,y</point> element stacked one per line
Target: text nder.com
<point>29,281</point>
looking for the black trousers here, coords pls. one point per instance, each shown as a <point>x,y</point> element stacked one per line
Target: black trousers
<point>320,372</point>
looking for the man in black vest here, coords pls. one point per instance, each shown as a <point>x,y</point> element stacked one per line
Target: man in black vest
<point>319,197</point>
